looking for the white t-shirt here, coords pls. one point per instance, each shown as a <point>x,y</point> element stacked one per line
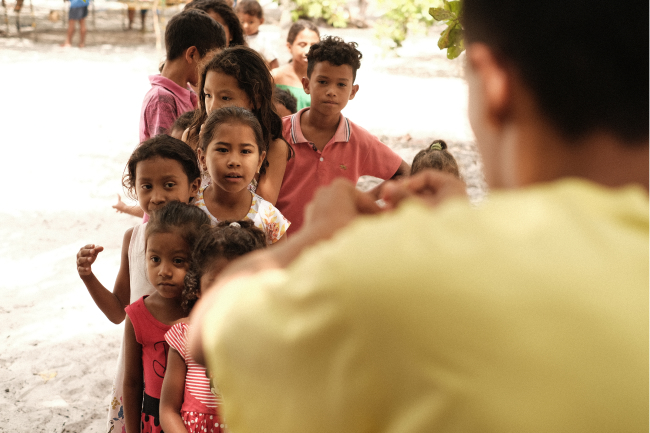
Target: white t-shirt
<point>262,44</point>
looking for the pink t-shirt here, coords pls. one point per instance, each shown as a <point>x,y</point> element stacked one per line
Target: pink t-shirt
<point>351,153</point>
<point>162,105</point>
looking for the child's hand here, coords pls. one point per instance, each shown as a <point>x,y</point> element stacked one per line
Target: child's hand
<point>86,257</point>
<point>120,206</point>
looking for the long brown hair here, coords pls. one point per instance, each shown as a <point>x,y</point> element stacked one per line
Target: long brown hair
<point>254,78</point>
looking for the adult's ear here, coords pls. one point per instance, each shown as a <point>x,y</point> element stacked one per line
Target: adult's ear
<point>494,82</point>
<point>305,84</point>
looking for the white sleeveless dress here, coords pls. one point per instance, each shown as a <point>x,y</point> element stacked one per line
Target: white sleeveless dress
<point>140,286</point>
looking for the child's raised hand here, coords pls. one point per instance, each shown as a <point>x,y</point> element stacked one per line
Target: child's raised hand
<point>120,206</point>
<point>86,257</point>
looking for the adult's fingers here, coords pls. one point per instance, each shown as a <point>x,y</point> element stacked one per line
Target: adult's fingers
<point>432,186</point>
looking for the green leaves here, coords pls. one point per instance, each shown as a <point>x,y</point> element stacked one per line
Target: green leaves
<point>452,37</point>
<point>401,18</point>
<point>332,11</point>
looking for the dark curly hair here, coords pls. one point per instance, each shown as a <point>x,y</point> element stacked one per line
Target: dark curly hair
<point>186,220</point>
<point>336,51</point>
<point>254,78</point>
<point>437,157</point>
<point>160,146</point>
<point>224,241</point>
<point>226,12</point>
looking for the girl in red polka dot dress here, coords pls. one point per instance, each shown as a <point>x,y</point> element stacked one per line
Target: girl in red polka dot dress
<point>188,402</point>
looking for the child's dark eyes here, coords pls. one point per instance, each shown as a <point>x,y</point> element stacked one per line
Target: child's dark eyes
<point>226,98</point>
<point>207,95</point>
<point>170,185</point>
<point>155,259</point>
<point>179,261</point>
<point>145,186</point>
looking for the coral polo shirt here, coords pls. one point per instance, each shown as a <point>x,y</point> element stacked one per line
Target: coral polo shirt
<point>351,153</point>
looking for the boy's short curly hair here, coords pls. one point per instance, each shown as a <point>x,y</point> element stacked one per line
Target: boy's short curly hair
<point>336,51</point>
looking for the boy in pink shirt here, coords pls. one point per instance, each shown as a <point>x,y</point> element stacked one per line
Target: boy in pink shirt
<point>189,37</point>
<point>327,145</point>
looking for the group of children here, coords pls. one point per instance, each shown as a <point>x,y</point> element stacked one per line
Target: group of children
<point>222,171</point>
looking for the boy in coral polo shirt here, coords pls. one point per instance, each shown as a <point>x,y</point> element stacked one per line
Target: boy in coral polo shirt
<point>327,145</point>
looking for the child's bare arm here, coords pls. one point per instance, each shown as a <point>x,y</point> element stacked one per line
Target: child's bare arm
<point>268,186</point>
<point>122,207</point>
<point>171,396</point>
<point>111,304</point>
<point>402,171</point>
<point>133,379</point>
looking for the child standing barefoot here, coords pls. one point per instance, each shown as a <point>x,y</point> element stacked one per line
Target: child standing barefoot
<point>187,402</point>
<point>169,240</point>
<point>232,150</point>
<point>161,170</point>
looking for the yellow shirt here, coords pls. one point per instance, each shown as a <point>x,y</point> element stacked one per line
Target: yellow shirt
<point>529,314</point>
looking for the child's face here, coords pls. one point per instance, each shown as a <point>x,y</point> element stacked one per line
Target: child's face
<point>281,109</point>
<point>161,180</point>
<point>215,16</point>
<point>302,44</point>
<point>223,90</point>
<point>168,258</point>
<point>330,87</point>
<point>250,23</point>
<point>232,158</point>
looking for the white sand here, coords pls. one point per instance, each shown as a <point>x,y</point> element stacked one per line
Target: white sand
<point>69,122</point>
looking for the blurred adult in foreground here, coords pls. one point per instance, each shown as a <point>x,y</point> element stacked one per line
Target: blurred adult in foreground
<point>527,314</point>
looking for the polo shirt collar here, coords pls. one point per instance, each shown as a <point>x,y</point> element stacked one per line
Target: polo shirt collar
<point>342,134</point>
<point>182,92</point>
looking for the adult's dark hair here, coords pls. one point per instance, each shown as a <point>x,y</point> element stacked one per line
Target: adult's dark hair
<point>586,72</point>
<point>285,98</point>
<point>183,121</point>
<point>186,220</point>
<point>226,12</point>
<point>193,29</point>
<point>161,146</point>
<point>231,115</point>
<point>437,157</point>
<point>250,7</point>
<point>224,240</point>
<point>298,27</point>
<point>336,51</point>
<point>254,78</point>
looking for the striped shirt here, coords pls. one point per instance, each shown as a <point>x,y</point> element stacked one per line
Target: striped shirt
<point>198,396</point>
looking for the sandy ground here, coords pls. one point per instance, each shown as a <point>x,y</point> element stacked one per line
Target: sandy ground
<point>69,122</point>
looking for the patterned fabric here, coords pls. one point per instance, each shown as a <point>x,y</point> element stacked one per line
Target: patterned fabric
<point>264,215</point>
<point>198,395</point>
<point>162,105</point>
<point>196,422</point>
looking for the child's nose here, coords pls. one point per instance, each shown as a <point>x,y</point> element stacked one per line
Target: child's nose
<point>165,269</point>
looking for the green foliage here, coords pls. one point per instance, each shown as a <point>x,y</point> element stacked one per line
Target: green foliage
<point>452,37</point>
<point>332,11</point>
<point>401,17</point>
